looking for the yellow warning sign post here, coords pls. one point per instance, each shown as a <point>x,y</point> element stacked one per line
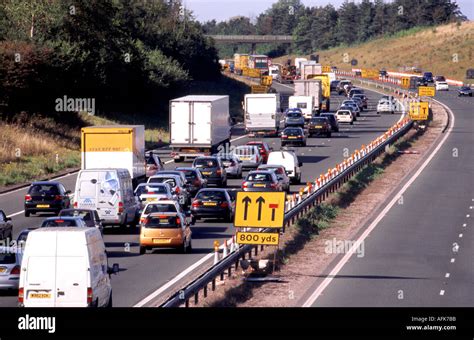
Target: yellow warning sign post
<point>419,110</point>
<point>426,91</point>
<point>269,239</point>
<point>406,82</point>
<point>259,209</point>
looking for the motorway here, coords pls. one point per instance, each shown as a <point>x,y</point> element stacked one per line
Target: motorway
<point>420,252</point>
<point>141,275</point>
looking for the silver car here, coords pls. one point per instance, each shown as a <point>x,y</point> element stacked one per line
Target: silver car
<point>294,118</point>
<point>248,155</point>
<point>148,192</point>
<point>232,164</point>
<point>10,265</point>
<point>385,105</point>
<point>280,172</point>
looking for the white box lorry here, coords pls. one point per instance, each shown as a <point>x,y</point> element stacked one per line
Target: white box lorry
<point>198,125</point>
<point>65,267</point>
<point>114,146</point>
<point>311,88</point>
<point>305,103</point>
<point>310,67</point>
<point>262,113</point>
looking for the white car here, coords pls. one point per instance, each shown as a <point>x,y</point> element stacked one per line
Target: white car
<point>163,206</point>
<point>10,264</point>
<point>385,105</point>
<point>148,192</point>
<point>232,164</point>
<point>441,86</point>
<point>345,116</point>
<point>352,104</point>
<point>289,160</point>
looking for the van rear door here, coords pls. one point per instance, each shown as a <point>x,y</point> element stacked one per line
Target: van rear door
<point>71,281</point>
<point>40,282</point>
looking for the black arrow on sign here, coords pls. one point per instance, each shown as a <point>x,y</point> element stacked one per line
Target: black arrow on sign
<point>246,200</point>
<point>260,202</point>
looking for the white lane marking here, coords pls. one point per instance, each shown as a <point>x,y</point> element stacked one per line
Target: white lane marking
<point>15,214</point>
<point>170,161</point>
<point>441,292</point>
<point>464,225</point>
<point>237,138</point>
<point>460,235</point>
<point>468,215</point>
<point>447,275</point>
<point>453,260</point>
<point>382,214</point>
<point>470,207</point>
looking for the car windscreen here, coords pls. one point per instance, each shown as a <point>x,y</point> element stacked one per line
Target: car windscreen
<point>150,190</point>
<point>211,195</point>
<point>164,207</point>
<point>59,223</point>
<point>259,177</point>
<point>343,112</point>
<point>47,189</point>
<point>170,181</point>
<point>163,221</point>
<point>205,163</point>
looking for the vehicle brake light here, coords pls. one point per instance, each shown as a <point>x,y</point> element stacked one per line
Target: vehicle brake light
<point>89,295</point>
<point>177,190</point>
<point>58,197</point>
<point>15,270</point>
<point>27,197</point>
<point>219,171</point>
<point>178,221</point>
<point>75,204</point>
<point>20,294</point>
<point>59,221</point>
<point>196,203</point>
<point>245,185</point>
<point>224,205</point>
<point>120,207</point>
<point>273,185</point>
<point>142,220</point>
<point>283,136</point>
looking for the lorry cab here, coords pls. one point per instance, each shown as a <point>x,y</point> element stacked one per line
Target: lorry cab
<point>65,267</point>
<point>110,192</point>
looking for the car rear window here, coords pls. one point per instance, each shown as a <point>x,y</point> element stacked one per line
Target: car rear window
<point>7,258</point>
<point>44,189</point>
<point>245,150</point>
<point>293,115</point>
<point>170,181</point>
<point>205,163</point>
<point>211,195</point>
<point>151,208</point>
<point>59,223</point>
<point>164,221</point>
<point>150,161</point>
<point>85,215</point>
<point>259,177</point>
<point>277,169</point>
<point>343,112</point>
<point>189,174</point>
<point>292,132</point>
<point>319,120</point>
<point>150,189</point>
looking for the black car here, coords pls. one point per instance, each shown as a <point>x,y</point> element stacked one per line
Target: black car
<point>46,197</point>
<point>212,169</point>
<point>465,91</point>
<point>428,76</point>
<point>334,84</point>
<point>194,179</point>
<point>420,81</point>
<point>293,135</point>
<point>340,87</point>
<point>363,98</point>
<point>319,126</point>
<point>6,227</point>
<point>212,203</point>
<point>383,73</point>
<point>332,120</point>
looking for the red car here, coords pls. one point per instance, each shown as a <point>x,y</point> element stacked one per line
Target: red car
<point>263,148</point>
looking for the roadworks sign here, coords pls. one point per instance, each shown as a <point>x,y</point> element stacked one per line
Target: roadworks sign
<point>259,209</point>
<point>269,239</point>
<point>419,110</point>
<point>426,91</point>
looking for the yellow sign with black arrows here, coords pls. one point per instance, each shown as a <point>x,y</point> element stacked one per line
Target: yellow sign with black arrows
<point>426,91</point>
<point>259,209</point>
<point>269,239</point>
<point>419,110</point>
<point>405,82</point>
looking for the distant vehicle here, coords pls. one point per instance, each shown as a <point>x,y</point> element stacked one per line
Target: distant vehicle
<point>319,126</point>
<point>261,180</point>
<point>89,216</point>
<point>294,119</point>
<point>293,135</point>
<point>332,120</point>
<point>65,267</point>
<point>441,86</point>
<point>389,98</point>
<point>110,192</point>
<point>148,192</point>
<point>353,104</point>
<point>213,203</point>
<point>383,73</point>
<point>194,179</point>
<point>363,98</point>
<point>420,81</point>
<point>249,155</point>
<point>353,107</point>
<point>280,173</point>
<point>22,236</point>
<point>165,230</point>
<point>289,160</point>
<point>212,170</point>
<point>6,227</point>
<point>355,90</point>
<point>359,103</point>
<point>428,76</point>
<point>153,164</point>
<point>439,78</point>
<point>334,84</point>
<point>385,105</point>
<point>178,186</point>
<point>164,207</point>
<point>341,87</point>
<point>46,197</point>
<point>231,163</point>
<point>263,148</point>
<point>345,116</point>
<point>465,91</point>
<point>262,113</point>
<point>64,222</point>
<point>10,265</point>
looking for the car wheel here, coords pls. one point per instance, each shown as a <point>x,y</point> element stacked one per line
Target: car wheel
<point>228,218</point>
<point>352,123</point>
<point>184,248</point>
<point>142,250</point>
<point>224,184</point>
<point>27,213</point>
<point>303,144</point>
<point>328,134</point>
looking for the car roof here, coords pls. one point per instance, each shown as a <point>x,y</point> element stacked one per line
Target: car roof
<point>255,142</point>
<point>188,168</point>
<point>206,157</point>
<point>212,189</point>
<point>163,202</point>
<point>77,209</point>
<point>260,172</point>
<point>171,213</point>
<point>68,218</point>
<point>266,166</point>
<point>45,182</point>
<point>161,175</point>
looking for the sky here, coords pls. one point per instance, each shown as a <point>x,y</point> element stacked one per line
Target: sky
<point>220,10</point>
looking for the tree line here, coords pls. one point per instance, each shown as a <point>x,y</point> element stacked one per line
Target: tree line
<point>130,56</point>
<point>321,27</point>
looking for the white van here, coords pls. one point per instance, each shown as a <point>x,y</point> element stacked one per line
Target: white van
<point>289,160</point>
<point>110,192</point>
<point>304,103</point>
<point>65,267</point>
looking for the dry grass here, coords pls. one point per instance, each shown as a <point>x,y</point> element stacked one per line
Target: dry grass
<point>429,49</point>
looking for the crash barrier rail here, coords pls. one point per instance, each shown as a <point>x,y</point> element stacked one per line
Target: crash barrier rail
<point>296,206</point>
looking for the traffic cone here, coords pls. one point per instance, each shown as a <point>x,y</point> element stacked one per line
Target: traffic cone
<point>225,249</point>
